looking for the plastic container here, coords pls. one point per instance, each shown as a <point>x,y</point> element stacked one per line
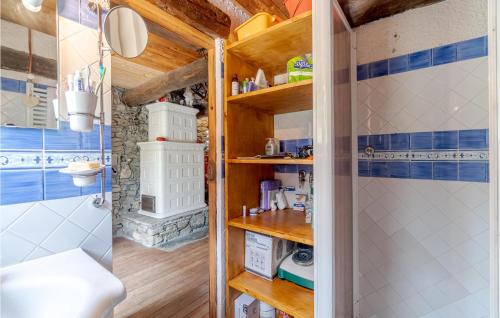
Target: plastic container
<point>266,186</point>
<point>267,311</point>
<point>296,7</point>
<point>81,109</point>
<point>255,24</point>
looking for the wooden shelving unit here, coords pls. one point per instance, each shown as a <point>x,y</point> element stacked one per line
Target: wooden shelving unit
<point>248,121</point>
<point>293,97</point>
<point>287,224</point>
<point>272,161</point>
<point>292,299</point>
<point>276,45</point>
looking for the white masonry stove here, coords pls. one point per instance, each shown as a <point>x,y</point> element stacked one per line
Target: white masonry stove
<point>172,180</point>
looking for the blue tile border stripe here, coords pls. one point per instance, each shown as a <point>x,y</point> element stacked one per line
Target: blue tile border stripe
<point>40,153</point>
<point>17,86</point>
<point>450,53</point>
<point>459,155</point>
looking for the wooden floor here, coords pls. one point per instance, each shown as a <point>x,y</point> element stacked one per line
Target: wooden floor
<point>162,284</point>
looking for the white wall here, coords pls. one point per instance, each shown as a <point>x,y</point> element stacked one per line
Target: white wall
<point>423,244</point>
<point>36,229</point>
<point>442,23</point>
<point>15,36</point>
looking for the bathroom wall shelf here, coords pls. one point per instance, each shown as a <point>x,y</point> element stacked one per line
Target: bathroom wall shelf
<point>248,121</point>
<point>288,297</point>
<point>272,48</point>
<point>272,161</point>
<point>287,224</point>
<point>286,98</point>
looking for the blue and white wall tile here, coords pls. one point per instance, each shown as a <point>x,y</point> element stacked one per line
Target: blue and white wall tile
<point>42,212</point>
<point>423,195</point>
<point>30,160</point>
<point>293,130</point>
<point>440,155</point>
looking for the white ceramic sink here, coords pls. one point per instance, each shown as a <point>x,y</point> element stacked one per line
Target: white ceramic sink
<point>66,285</point>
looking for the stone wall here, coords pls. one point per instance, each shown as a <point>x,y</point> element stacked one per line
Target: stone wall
<point>166,232</point>
<point>129,126</point>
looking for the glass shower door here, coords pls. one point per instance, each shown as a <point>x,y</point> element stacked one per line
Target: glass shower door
<point>333,161</point>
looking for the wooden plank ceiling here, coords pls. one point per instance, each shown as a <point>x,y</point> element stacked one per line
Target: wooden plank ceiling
<point>167,51</point>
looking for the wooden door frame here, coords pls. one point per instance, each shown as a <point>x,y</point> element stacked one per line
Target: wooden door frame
<point>212,184</point>
<point>150,11</point>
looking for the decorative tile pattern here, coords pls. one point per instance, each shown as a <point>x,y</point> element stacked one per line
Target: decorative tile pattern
<point>292,146</point>
<point>441,155</point>
<point>449,53</point>
<point>30,160</point>
<point>423,248</point>
<point>29,231</point>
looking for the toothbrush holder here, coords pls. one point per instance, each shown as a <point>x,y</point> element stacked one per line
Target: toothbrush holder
<point>81,109</point>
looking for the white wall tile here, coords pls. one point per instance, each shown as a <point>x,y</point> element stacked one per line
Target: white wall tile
<point>64,206</point>
<point>434,233</point>
<point>14,249</point>
<point>65,237</point>
<point>36,224</point>
<point>9,214</point>
<point>422,28</point>
<point>37,229</point>
<point>87,216</point>
<point>447,97</point>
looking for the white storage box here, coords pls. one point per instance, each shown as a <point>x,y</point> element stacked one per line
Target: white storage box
<point>172,121</point>
<point>263,253</point>
<point>246,307</point>
<point>172,178</point>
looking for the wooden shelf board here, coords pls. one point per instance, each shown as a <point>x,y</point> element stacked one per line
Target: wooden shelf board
<point>286,98</point>
<point>273,47</point>
<point>287,224</point>
<point>281,294</point>
<point>272,161</point>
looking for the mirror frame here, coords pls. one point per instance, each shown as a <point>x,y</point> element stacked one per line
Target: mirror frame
<point>108,42</point>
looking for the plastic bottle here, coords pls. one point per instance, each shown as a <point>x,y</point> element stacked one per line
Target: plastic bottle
<point>235,85</point>
<point>267,311</point>
<point>245,85</point>
<point>251,85</point>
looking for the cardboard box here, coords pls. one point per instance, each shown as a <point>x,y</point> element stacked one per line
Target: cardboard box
<point>246,307</point>
<point>263,253</point>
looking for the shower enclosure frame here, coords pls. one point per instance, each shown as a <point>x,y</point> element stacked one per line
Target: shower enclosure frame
<point>494,142</point>
<point>324,169</point>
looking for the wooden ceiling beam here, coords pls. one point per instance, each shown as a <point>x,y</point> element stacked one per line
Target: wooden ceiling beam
<point>194,73</point>
<point>19,61</point>
<point>201,14</point>
<point>360,12</point>
<point>275,7</point>
<point>177,25</point>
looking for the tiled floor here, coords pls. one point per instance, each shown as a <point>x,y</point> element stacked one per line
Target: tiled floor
<point>162,284</point>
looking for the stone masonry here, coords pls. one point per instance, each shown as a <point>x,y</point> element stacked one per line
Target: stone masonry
<point>130,126</point>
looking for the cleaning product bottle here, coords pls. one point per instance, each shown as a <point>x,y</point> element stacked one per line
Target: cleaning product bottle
<point>251,85</point>
<point>245,85</point>
<point>235,85</point>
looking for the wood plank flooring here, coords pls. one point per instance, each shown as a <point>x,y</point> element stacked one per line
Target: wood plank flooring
<point>162,284</point>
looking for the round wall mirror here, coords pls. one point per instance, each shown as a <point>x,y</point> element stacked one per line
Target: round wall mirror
<point>125,32</point>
